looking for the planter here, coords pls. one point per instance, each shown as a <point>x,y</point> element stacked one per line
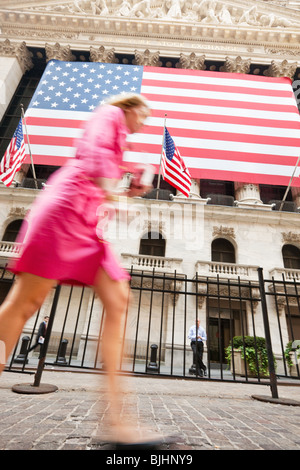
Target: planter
<point>239,366</point>
<point>248,350</point>
<point>294,370</point>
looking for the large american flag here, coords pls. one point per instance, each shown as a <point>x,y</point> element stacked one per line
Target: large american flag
<point>228,126</point>
<point>14,156</point>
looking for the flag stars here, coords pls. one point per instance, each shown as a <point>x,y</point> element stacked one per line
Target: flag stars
<point>71,86</point>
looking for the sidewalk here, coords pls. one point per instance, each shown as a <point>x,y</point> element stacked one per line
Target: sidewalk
<point>202,415</point>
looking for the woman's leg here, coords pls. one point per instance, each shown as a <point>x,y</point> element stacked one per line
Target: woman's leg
<point>24,298</point>
<point>114,296</point>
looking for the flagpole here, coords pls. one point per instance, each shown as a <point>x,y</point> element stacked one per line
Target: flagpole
<point>289,185</point>
<point>28,143</point>
<point>161,154</point>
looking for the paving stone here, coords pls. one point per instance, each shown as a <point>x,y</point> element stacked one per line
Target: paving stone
<point>199,415</point>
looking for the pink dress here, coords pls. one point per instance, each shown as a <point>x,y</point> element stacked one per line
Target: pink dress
<point>61,241</point>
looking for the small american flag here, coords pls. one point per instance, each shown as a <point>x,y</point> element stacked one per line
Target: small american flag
<point>14,156</point>
<point>174,170</point>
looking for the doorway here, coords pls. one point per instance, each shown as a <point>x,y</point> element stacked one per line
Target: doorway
<point>219,332</point>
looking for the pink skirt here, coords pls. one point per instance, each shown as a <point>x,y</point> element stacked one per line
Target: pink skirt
<point>61,239</point>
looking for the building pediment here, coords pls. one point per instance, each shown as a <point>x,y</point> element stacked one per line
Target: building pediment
<point>239,27</point>
<point>238,12</point>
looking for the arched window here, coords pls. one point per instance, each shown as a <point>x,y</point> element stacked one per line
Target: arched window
<point>153,244</point>
<point>222,251</point>
<point>291,257</point>
<point>12,230</point>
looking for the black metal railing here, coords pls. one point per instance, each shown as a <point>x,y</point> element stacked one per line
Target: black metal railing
<point>252,328</point>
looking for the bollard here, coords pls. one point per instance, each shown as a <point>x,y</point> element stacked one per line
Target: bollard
<point>153,359</point>
<point>192,369</point>
<point>22,356</point>
<point>61,357</point>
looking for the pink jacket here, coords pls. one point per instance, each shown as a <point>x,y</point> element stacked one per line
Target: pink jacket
<point>102,144</point>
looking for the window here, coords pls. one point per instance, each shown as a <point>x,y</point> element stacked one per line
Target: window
<point>153,244</point>
<point>208,187</point>
<point>291,257</point>
<point>12,231</point>
<point>222,251</point>
<point>269,193</point>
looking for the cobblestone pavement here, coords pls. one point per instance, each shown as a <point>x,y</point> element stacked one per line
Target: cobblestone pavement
<point>200,415</point>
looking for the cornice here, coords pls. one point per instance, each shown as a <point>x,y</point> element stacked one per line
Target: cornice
<point>168,36</point>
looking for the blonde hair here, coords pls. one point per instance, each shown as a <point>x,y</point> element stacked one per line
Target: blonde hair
<point>128,100</point>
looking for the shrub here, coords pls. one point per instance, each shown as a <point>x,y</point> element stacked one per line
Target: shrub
<point>254,350</point>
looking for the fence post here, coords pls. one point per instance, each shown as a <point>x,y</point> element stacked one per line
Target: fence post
<point>37,387</point>
<point>273,379</point>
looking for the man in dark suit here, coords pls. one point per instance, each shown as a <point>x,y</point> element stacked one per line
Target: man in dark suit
<point>40,337</point>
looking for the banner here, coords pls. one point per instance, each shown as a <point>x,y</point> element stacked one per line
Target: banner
<point>234,127</point>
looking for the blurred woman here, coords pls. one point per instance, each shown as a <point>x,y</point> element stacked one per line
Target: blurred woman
<point>62,243</point>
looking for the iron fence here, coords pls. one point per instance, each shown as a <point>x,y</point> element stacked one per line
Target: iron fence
<point>252,326</point>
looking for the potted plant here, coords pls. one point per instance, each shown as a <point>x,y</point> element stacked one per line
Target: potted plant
<point>250,350</point>
<point>290,352</point>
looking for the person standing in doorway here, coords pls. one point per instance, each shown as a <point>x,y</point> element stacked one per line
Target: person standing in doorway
<point>197,335</point>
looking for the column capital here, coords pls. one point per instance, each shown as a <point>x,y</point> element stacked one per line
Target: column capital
<point>191,62</point>
<point>58,52</point>
<point>147,58</point>
<point>281,69</point>
<point>103,55</point>
<point>237,65</point>
<point>19,51</point>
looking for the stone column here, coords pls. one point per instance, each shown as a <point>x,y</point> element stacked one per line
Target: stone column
<point>15,60</point>
<point>247,193</point>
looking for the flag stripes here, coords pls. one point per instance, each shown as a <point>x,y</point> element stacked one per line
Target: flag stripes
<point>174,170</point>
